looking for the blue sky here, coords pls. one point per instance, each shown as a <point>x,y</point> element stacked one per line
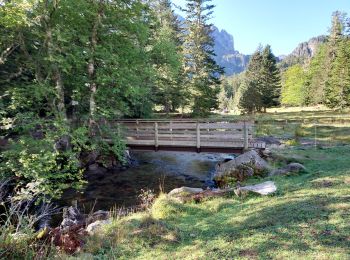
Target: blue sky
<point>281,23</point>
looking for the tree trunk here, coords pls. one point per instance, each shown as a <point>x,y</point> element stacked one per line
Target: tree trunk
<point>91,66</point>
<point>56,73</point>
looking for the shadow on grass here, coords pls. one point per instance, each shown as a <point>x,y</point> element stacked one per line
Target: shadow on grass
<point>293,225</point>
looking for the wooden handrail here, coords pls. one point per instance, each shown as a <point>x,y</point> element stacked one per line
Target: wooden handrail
<point>196,134</point>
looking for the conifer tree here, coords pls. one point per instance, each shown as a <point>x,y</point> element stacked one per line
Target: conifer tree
<point>262,87</point>
<point>271,82</point>
<point>337,64</point>
<point>338,90</point>
<point>167,56</point>
<point>317,76</point>
<point>202,71</point>
<point>251,100</point>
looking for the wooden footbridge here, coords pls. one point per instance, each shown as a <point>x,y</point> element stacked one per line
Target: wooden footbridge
<point>189,135</point>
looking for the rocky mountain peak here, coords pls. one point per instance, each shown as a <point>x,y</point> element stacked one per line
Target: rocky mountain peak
<point>308,49</point>
<point>226,55</point>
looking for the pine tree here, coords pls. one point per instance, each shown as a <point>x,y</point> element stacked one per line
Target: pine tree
<point>317,76</point>
<point>251,100</point>
<point>337,64</point>
<point>270,86</point>
<point>338,90</point>
<point>167,56</point>
<point>262,82</point>
<point>202,71</point>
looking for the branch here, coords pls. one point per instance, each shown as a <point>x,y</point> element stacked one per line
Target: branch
<point>7,53</point>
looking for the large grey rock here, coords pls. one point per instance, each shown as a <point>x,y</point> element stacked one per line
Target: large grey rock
<point>183,191</point>
<point>98,215</point>
<point>264,188</point>
<point>290,168</point>
<point>240,168</point>
<point>94,227</point>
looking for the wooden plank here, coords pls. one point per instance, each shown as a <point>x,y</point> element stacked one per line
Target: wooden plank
<point>193,143</point>
<point>223,133</point>
<point>224,137</point>
<point>221,126</point>
<point>178,126</point>
<point>234,144</point>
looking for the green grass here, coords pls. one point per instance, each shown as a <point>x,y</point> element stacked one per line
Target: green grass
<point>308,218</point>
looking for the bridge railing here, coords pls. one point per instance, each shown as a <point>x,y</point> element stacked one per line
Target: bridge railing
<point>189,133</point>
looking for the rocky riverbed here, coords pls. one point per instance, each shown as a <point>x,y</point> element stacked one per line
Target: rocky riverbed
<point>120,188</point>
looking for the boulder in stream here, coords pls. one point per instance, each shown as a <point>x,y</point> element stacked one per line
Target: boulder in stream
<point>240,168</point>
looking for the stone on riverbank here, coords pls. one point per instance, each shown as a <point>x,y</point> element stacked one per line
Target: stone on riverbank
<point>184,191</point>
<point>290,168</point>
<point>264,188</point>
<point>240,168</point>
<point>94,227</point>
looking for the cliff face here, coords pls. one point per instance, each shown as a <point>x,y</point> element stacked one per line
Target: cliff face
<point>226,55</point>
<point>303,52</point>
<point>308,49</point>
<point>235,62</point>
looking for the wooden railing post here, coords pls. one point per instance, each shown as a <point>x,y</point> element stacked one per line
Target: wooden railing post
<point>245,136</point>
<point>198,130</point>
<point>137,129</point>
<point>118,129</point>
<point>156,135</point>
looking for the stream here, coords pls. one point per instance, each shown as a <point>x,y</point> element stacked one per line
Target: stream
<point>120,188</point>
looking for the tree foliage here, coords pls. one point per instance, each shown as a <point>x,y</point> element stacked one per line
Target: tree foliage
<point>325,78</point>
<point>293,86</point>
<point>201,70</point>
<point>69,68</point>
<point>262,86</point>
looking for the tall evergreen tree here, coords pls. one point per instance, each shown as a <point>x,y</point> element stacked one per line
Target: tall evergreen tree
<point>203,74</point>
<point>338,90</point>
<point>262,82</point>
<point>337,64</point>
<point>251,100</point>
<point>316,77</point>
<point>167,56</point>
<point>271,82</point>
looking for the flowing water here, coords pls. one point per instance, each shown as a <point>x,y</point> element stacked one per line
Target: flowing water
<point>116,188</point>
